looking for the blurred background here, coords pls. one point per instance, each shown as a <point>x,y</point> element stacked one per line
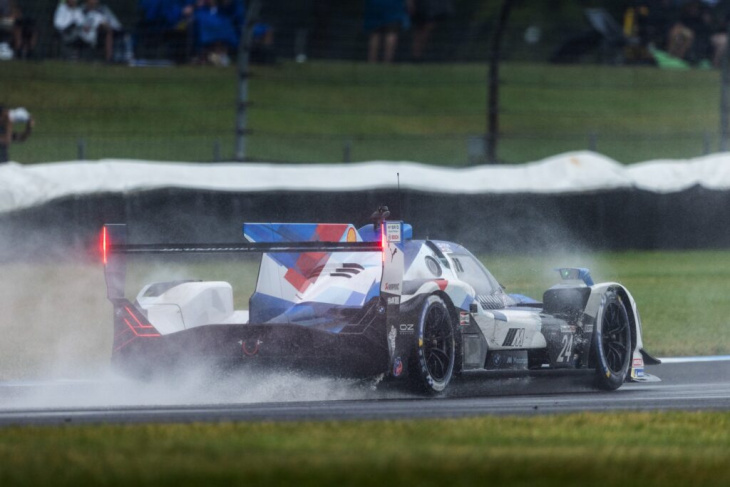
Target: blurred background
<point>634,80</point>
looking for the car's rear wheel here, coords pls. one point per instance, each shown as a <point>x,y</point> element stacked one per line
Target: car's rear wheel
<point>436,347</point>
<point>612,343</point>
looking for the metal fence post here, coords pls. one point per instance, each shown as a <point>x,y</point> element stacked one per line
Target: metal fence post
<point>347,151</point>
<point>725,101</point>
<point>243,74</point>
<point>593,142</point>
<point>217,151</point>
<point>492,135</point>
<point>81,149</point>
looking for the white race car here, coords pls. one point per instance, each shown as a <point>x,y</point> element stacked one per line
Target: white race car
<point>370,302</point>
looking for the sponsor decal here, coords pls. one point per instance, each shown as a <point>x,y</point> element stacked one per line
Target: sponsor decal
<point>508,360</point>
<point>393,286</point>
<point>351,235</point>
<point>393,250</point>
<point>397,367</point>
<point>394,300</point>
<point>636,373</point>
<point>515,337</point>
<point>250,347</point>
<point>637,369</point>
<point>444,247</point>
<point>392,232</point>
<point>407,328</point>
<point>463,318</point>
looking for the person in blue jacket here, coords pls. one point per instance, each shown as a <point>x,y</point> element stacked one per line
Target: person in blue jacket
<point>216,36</point>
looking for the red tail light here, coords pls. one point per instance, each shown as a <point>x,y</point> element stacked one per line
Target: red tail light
<point>104,245</point>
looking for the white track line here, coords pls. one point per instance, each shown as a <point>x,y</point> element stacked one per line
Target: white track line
<point>685,360</point>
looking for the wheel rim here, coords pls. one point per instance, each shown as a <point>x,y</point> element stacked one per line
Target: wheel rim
<point>615,337</point>
<point>438,343</point>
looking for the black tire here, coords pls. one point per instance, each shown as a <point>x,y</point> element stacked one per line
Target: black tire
<point>436,347</point>
<point>612,343</point>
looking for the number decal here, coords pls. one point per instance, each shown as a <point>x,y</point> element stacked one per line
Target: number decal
<point>567,350</point>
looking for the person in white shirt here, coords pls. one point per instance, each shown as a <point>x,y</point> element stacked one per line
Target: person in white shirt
<point>69,20</point>
<point>99,21</point>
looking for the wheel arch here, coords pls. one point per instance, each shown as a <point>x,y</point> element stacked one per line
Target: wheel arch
<point>632,314</point>
<point>634,321</point>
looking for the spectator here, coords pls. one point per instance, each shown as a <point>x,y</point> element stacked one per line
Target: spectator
<point>689,37</point>
<point>425,15</point>
<point>235,10</point>
<point>168,22</point>
<point>215,33</point>
<point>7,26</point>
<point>384,19</point>
<point>262,50</point>
<point>99,22</point>
<point>25,34</point>
<point>262,47</point>
<point>20,28</point>
<point>661,16</point>
<point>7,135</point>
<point>719,38</point>
<point>68,21</point>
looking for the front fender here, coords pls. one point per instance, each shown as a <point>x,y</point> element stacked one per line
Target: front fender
<point>636,369</point>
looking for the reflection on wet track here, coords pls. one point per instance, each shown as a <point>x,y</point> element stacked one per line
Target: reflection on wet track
<point>286,397</point>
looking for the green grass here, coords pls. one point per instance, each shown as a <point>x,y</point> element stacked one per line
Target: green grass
<point>622,449</point>
<point>311,112</point>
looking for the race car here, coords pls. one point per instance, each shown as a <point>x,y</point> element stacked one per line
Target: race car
<point>369,302</point>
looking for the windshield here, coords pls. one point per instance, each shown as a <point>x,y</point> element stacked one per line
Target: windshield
<point>470,270</point>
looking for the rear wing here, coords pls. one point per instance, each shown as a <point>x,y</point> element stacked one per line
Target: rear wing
<point>389,242</point>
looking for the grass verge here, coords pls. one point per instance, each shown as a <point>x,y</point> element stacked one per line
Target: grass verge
<point>317,111</point>
<point>617,449</point>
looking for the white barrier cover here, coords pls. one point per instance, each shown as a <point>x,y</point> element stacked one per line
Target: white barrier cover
<point>24,186</point>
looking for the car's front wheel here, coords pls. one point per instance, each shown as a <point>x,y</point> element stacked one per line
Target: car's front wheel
<point>436,347</point>
<point>612,343</point>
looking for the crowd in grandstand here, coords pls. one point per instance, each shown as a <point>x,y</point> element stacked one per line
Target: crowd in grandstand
<point>201,31</point>
<point>693,30</point>
<point>209,31</point>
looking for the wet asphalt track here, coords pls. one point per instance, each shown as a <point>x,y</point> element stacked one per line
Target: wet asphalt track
<point>694,385</point>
